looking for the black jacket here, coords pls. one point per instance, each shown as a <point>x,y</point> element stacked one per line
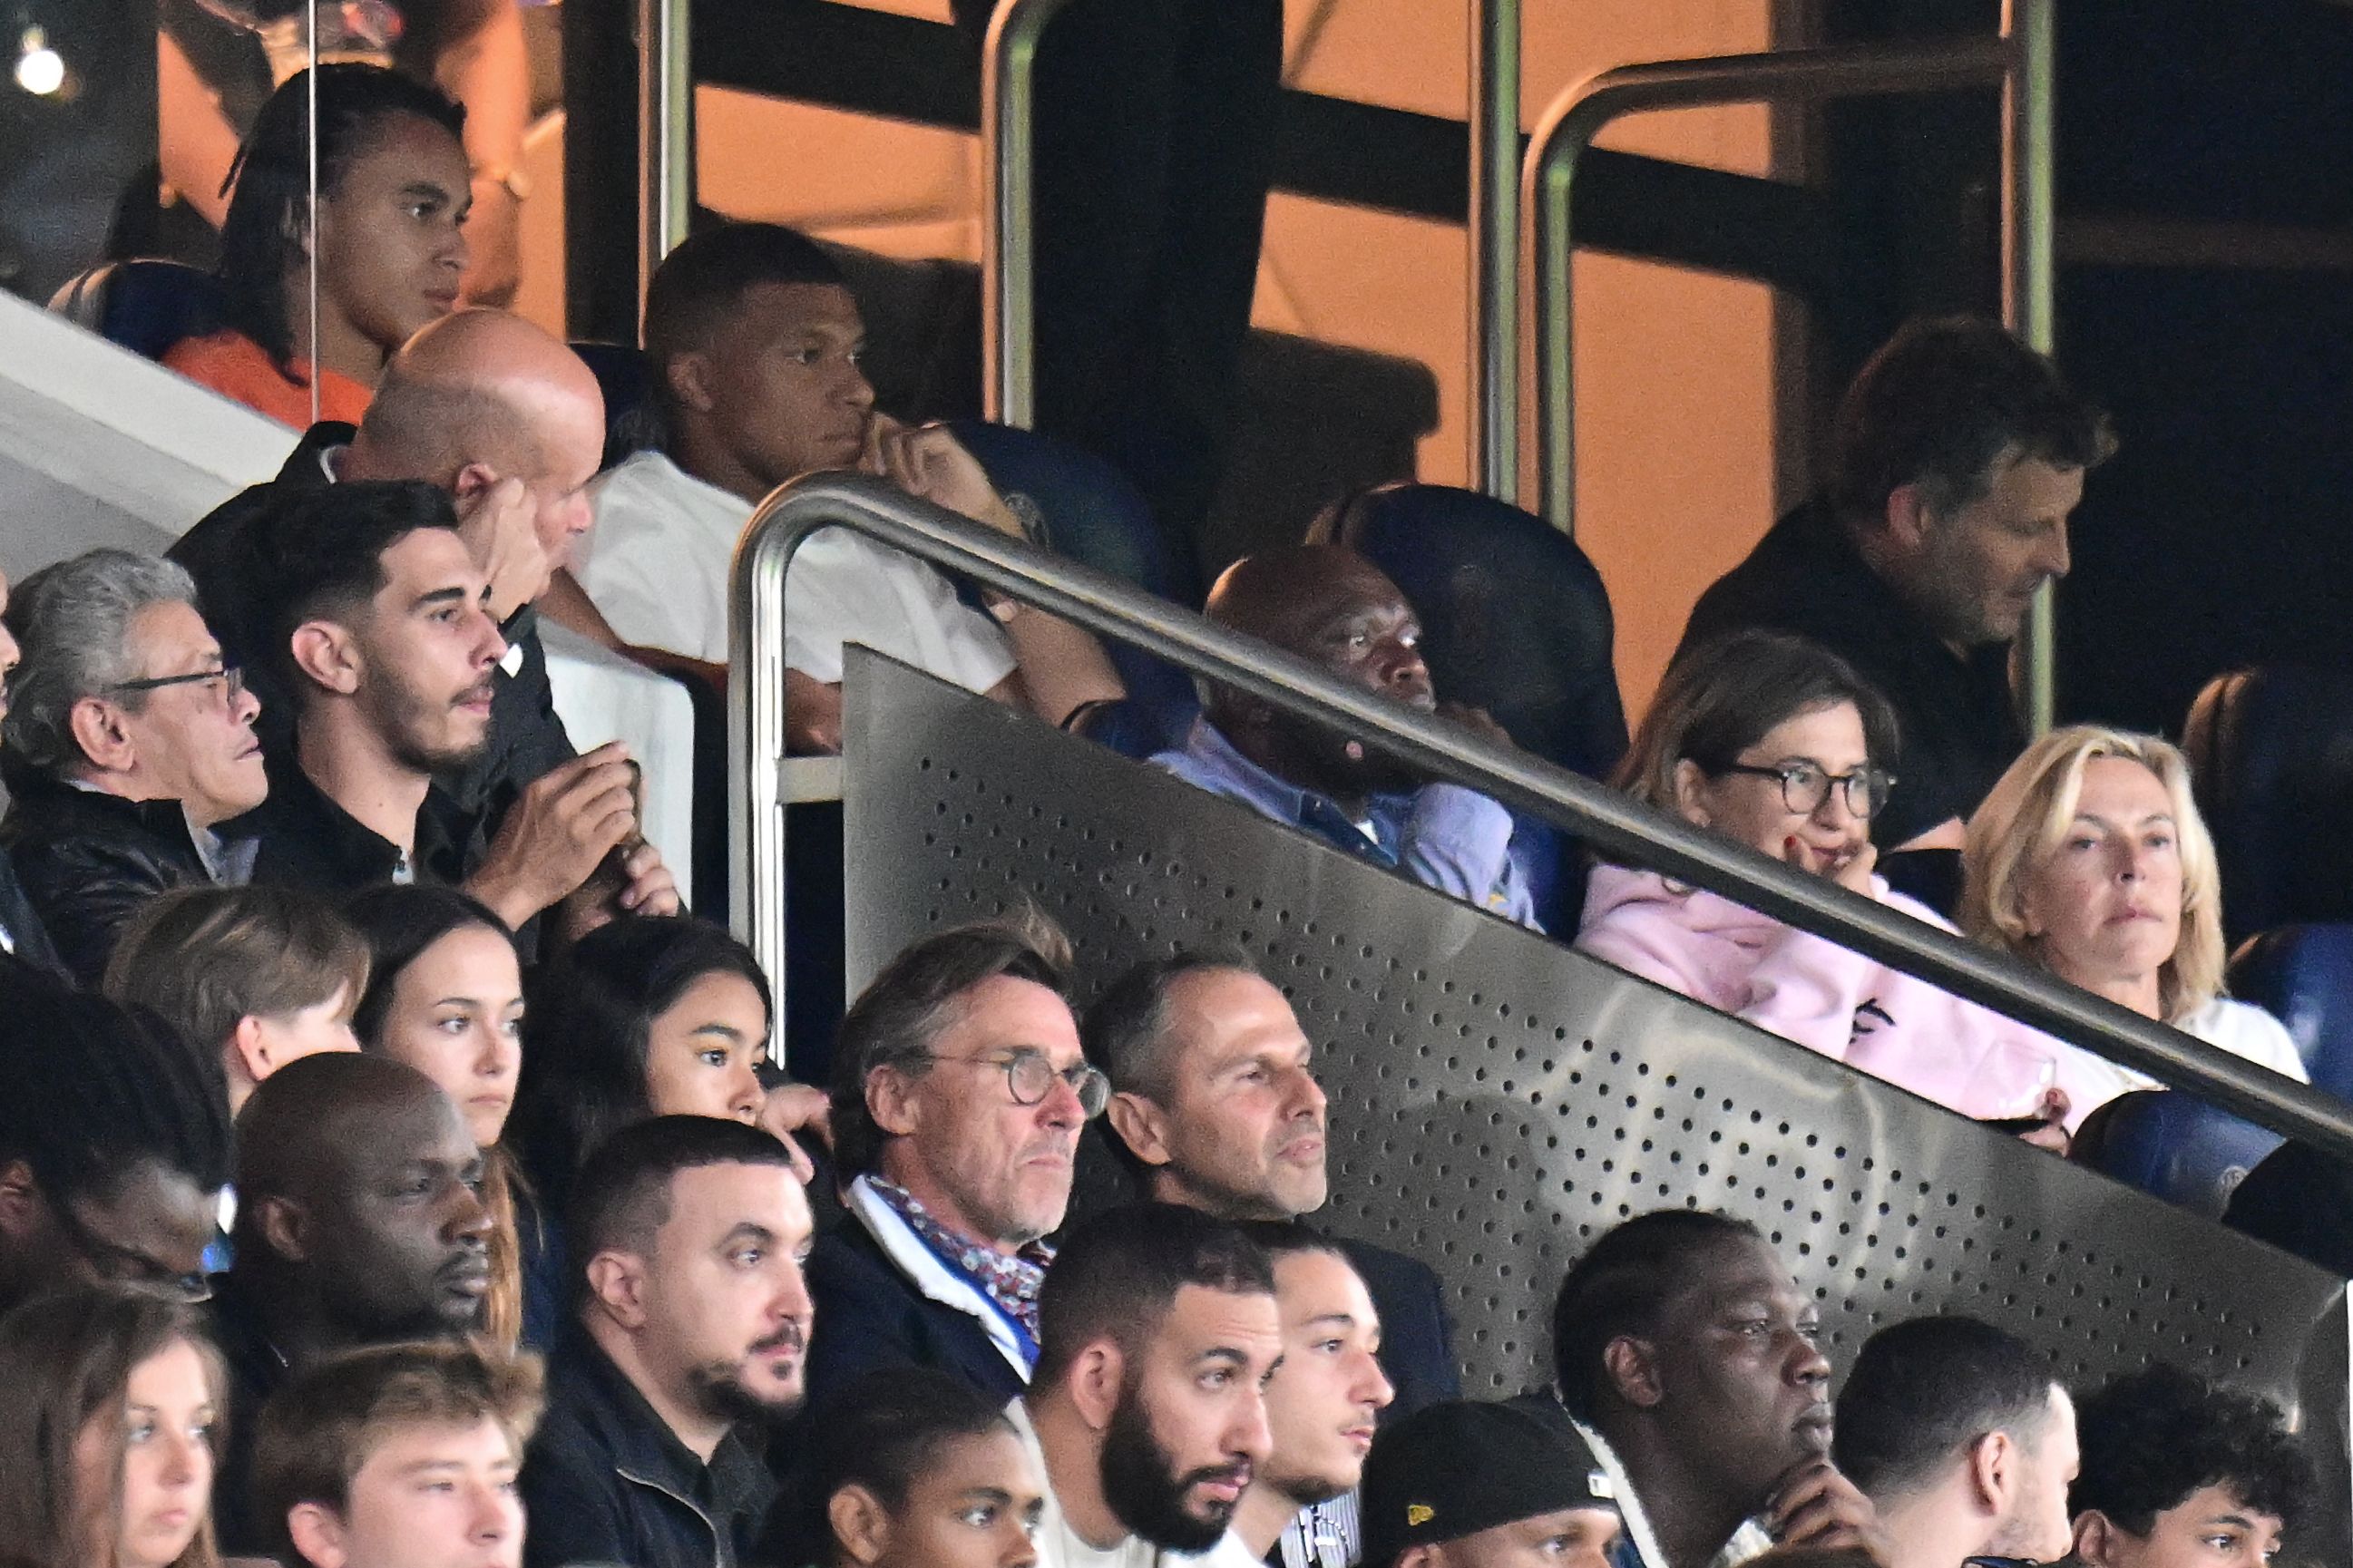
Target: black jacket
<point>223,552</point>
<point>89,861</point>
<point>28,942</point>
<point>606,1481</point>
<point>309,841</point>
<point>869,1314</point>
<point>1417,1350</point>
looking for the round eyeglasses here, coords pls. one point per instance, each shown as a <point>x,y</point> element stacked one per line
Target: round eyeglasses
<point>1805,786</point>
<point>1031,1078</point>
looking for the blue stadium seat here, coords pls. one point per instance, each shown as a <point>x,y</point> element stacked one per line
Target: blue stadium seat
<point>631,421</point>
<point>2272,751</point>
<point>145,306</point>
<point>2303,975</point>
<point>2173,1146</point>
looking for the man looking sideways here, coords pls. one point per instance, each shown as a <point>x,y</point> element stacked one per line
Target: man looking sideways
<point>2180,1474</point>
<point>1321,1403</point>
<point>1159,1332</point>
<point>400,1456</point>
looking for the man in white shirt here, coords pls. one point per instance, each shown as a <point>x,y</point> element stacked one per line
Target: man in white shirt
<point>1158,1331</point>
<point>754,341</point>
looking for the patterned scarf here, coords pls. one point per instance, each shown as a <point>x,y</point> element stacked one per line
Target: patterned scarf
<point>1009,1281</point>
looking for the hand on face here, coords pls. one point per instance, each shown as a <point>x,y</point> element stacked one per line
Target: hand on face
<point>1814,1505</point>
<point>498,523</point>
<point>930,462</point>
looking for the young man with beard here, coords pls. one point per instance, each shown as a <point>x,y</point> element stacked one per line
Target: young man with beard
<point>1321,1405</point>
<point>1331,606</point>
<point>382,635</point>
<point>1147,1414</point>
<point>1215,1105</point>
<point>1685,1355</point>
<point>694,1319</point>
<point>359,1222</point>
<point>1962,1440</point>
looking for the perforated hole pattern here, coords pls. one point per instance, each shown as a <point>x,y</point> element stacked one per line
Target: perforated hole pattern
<point>1497,1101</point>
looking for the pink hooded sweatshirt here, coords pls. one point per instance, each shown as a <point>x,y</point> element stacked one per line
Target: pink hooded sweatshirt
<point>1809,989</point>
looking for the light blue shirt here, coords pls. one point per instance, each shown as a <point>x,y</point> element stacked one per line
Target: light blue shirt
<point>1446,836</point>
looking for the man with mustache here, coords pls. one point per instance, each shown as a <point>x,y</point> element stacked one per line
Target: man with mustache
<point>1330,606</point>
<point>1684,1356</point>
<point>693,1317</point>
<point>382,635</point>
<point>1215,1105</point>
<point>959,1088</point>
<point>1147,1413</point>
<point>359,1222</point>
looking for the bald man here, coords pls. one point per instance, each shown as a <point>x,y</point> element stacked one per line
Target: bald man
<point>358,1222</point>
<point>1334,607</point>
<point>511,423</point>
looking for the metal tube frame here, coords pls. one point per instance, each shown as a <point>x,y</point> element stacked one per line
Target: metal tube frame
<point>1494,234</point>
<point>2020,59</point>
<point>665,132</point>
<point>1009,244</point>
<point>1614,824</point>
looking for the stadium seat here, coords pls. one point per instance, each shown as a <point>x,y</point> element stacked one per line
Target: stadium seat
<point>2303,975</point>
<point>632,422</point>
<point>2272,751</point>
<point>2173,1146</point>
<point>145,306</point>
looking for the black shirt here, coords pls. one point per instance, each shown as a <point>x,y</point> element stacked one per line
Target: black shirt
<point>1959,727</point>
<point>309,841</point>
<point>607,1481</point>
<point>257,1369</point>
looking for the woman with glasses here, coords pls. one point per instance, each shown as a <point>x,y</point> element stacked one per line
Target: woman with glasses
<point>1775,743</point>
<point>649,1016</point>
<point>110,1432</point>
<point>2089,859</point>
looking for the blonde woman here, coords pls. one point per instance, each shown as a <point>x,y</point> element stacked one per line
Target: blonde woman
<point>2089,859</point>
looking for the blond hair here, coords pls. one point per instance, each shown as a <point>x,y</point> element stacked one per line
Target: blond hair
<point>2028,813</point>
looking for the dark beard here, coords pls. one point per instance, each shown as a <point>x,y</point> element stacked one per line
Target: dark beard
<point>1140,1485</point>
<point>721,1389</point>
<point>398,711</point>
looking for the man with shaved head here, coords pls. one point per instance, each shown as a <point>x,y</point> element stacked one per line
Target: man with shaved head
<point>1334,607</point>
<point>359,1222</point>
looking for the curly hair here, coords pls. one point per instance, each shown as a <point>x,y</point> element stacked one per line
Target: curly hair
<point>2153,1438</point>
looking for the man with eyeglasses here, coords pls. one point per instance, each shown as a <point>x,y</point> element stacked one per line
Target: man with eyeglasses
<point>114,1146</point>
<point>959,1090</point>
<point>136,744</point>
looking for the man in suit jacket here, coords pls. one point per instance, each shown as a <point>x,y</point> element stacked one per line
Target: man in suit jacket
<point>959,1089</point>
<point>1214,1105</point>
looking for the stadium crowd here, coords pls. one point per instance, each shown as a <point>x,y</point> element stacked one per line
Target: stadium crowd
<point>393,1177</point>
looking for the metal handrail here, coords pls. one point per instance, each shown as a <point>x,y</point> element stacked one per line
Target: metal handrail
<point>1008,240</point>
<point>1494,235</point>
<point>665,132</point>
<point>2020,59</point>
<point>1612,823</point>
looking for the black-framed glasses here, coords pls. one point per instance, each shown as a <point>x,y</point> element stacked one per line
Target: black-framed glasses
<point>1030,1077</point>
<point>1805,786</point>
<point>230,676</point>
<point>129,1268</point>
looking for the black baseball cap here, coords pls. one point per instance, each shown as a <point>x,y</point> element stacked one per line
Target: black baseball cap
<point>1453,1470</point>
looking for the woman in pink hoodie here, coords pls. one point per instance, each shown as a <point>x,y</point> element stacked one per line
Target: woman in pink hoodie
<point>1775,742</point>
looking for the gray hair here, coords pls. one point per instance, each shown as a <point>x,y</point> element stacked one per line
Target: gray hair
<point>72,623</point>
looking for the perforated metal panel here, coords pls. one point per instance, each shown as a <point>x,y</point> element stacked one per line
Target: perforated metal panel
<point>1498,1099</point>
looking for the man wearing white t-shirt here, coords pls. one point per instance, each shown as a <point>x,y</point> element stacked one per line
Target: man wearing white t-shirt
<point>1157,1331</point>
<point>754,343</point>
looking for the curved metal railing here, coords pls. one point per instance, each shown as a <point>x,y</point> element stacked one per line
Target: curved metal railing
<point>1613,823</point>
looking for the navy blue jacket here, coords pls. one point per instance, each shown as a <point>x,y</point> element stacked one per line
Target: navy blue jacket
<point>869,1314</point>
